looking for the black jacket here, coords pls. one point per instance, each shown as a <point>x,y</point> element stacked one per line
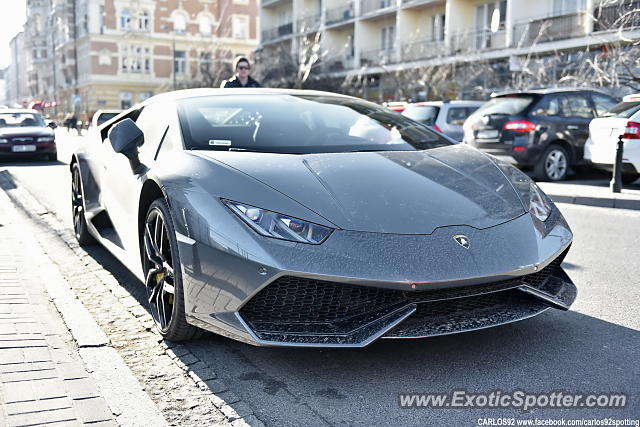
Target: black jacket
<point>235,82</point>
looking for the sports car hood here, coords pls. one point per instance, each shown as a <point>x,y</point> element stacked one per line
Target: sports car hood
<point>403,192</point>
<point>25,131</point>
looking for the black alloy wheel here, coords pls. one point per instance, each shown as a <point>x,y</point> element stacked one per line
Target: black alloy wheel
<point>80,230</point>
<point>163,279</point>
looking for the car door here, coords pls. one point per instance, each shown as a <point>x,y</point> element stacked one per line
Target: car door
<point>578,113</point>
<point>124,185</point>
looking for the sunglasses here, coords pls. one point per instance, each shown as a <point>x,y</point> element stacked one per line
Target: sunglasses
<point>242,67</point>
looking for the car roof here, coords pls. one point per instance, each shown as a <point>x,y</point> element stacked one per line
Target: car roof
<point>195,93</point>
<point>440,103</point>
<point>546,91</point>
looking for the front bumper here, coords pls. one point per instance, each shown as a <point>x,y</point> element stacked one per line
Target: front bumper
<point>357,287</point>
<point>6,150</point>
<point>298,311</point>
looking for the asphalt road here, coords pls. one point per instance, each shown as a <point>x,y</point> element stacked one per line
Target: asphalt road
<point>595,347</point>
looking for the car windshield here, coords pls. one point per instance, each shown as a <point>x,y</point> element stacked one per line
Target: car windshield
<point>623,110</point>
<point>507,105</point>
<point>426,114</point>
<point>298,124</point>
<point>20,120</point>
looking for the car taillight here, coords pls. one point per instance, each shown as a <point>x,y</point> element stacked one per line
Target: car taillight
<point>436,127</point>
<point>632,131</point>
<point>520,126</point>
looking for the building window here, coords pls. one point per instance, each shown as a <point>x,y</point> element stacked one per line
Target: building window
<point>125,19</point>
<point>388,35</point>
<point>145,95</point>
<point>143,21</point>
<point>135,59</point>
<point>205,25</point>
<point>240,26</point>
<point>101,20</point>
<point>205,63</point>
<point>437,27</point>
<point>179,22</point>
<point>126,100</point>
<point>562,7</point>
<point>485,15</point>
<point>179,62</point>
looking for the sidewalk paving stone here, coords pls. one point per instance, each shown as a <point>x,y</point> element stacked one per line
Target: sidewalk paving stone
<point>41,382</point>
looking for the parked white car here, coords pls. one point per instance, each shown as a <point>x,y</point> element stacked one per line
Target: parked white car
<point>446,117</point>
<point>600,148</point>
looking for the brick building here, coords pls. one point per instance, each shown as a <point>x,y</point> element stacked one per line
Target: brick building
<point>104,54</point>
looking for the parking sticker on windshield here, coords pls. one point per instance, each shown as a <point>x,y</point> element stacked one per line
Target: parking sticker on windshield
<point>224,142</point>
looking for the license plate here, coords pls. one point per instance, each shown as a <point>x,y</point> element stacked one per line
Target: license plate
<point>23,148</point>
<point>486,134</point>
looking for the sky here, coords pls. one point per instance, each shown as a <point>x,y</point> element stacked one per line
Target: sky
<point>12,17</point>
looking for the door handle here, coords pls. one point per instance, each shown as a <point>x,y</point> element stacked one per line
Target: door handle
<point>572,127</point>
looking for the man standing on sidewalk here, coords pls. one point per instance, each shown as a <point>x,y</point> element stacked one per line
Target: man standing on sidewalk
<point>242,77</point>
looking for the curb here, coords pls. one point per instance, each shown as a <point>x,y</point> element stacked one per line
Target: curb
<point>203,378</point>
<point>601,202</point>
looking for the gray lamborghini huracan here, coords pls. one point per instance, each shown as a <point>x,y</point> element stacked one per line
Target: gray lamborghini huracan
<point>299,218</point>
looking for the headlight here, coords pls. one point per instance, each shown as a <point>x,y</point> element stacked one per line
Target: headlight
<point>539,203</point>
<point>45,139</point>
<point>532,196</point>
<point>4,141</point>
<point>278,226</point>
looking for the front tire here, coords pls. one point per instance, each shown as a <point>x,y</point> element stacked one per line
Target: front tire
<point>80,230</point>
<point>163,276</point>
<point>554,164</point>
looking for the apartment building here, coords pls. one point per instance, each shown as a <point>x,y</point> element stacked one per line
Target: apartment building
<point>377,37</point>
<point>103,54</point>
<point>16,89</point>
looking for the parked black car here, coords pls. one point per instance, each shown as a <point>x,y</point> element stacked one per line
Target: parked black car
<point>544,129</point>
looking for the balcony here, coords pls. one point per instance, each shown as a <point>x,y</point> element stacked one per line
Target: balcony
<point>478,40</point>
<point>422,49</point>
<point>378,56</point>
<point>308,23</point>
<point>373,6</point>
<point>340,14</point>
<point>277,32</point>
<point>548,29</point>
<point>341,63</point>
<point>621,15</point>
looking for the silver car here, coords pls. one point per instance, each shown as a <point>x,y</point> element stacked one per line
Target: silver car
<point>300,218</point>
<point>446,117</point>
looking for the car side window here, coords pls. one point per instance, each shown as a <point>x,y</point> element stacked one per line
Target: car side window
<point>548,106</point>
<point>602,103</point>
<point>457,115</point>
<point>151,124</point>
<point>576,105</point>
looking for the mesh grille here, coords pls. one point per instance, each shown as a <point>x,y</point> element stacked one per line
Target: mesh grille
<point>294,300</point>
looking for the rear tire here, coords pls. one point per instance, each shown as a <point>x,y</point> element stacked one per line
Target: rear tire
<point>161,263</point>
<point>80,230</point>
<point>553,165</point>
<point>629,178</point>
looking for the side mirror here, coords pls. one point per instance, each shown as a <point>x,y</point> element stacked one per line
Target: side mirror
<point>52,125</point>
<point>126,137</point>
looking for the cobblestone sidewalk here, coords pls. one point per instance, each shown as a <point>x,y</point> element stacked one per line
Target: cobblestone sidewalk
<point>42,380</point>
